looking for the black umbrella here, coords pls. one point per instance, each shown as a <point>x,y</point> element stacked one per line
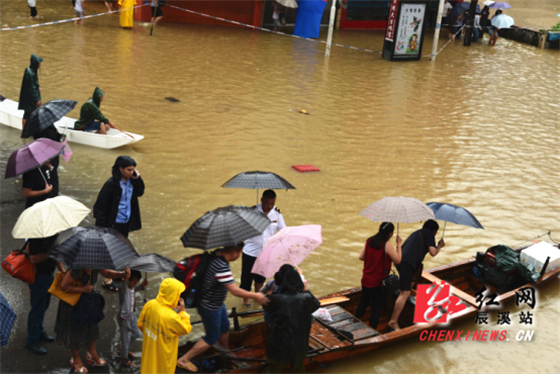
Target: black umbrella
<point>153,263</point>
<point>255,180</point>
<point>460,8</point>
<point>93,247</point>
<point>46,115</point>
<point>225,227</point>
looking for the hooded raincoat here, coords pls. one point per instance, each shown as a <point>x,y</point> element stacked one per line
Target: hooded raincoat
<point>288,340</point>
<point>30,94</point>
<point>90,110</point>
<point>106,207</point>
<point>126,17</point>
<point>162,326</point>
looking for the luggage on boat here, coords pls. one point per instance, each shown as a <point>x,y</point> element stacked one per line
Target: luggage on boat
<point>190,271</point>
<point>501,267</point>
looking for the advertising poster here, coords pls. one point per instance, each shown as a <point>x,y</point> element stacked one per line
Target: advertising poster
<point>409,32</point>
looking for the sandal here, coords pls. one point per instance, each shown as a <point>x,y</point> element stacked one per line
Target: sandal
<point>127,363</point>
<point>130,354</point>
<point>99,363</point>
<point>83,370</point>
<point>189,367</point>
<point>110,286</point>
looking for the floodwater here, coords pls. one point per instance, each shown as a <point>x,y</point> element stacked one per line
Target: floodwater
<point>479,128</point>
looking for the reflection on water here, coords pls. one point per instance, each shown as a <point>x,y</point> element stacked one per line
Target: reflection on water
<point>478,128</point>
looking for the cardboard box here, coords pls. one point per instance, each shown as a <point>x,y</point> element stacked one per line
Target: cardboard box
<point>537,254</point>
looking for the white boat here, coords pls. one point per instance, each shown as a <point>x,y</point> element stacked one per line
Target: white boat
<point>11,116</point>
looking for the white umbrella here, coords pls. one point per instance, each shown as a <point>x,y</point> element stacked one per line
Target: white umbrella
<point>49,217</point>
<point>502,21</point>
<point>288,3</point>
<point>398,209</point>
<point>488,2</point>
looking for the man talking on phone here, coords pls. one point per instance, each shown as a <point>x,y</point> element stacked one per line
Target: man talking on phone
<point>117,202</point>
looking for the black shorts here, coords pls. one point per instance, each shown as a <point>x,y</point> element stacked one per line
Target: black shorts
<point>406,275</point>
<point>247,277</point>
<point>158,11</point>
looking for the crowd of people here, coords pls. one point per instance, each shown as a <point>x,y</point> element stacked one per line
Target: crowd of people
<point>481,24</point>
<point>125,8</point>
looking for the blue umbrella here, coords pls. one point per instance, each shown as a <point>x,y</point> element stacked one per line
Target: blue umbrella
<point>460,8</point>
<point>499,5</point>
<point>455,214</point>
<point>7,319</point>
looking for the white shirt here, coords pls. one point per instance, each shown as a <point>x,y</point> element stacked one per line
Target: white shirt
<point>446,8</point>
<point>78,6</point>
<point>254,245</point>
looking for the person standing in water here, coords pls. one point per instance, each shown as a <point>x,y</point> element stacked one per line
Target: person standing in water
<point>30,93</point>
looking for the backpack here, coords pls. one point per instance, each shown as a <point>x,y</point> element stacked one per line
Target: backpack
<point>190,271</point>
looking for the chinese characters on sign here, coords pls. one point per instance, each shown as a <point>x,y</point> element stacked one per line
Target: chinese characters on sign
<point>525,295</point>
<point>392,20</point>
<point>411,19</point>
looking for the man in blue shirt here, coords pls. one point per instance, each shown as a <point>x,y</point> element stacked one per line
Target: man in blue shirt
<point>117,202</point>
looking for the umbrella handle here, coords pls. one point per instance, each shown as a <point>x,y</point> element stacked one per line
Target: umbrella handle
<point>145,290</point>
<point>45,179</point>
<point>444,226</point>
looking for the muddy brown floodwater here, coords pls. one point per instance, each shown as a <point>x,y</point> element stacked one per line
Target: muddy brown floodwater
<point>479,128</point>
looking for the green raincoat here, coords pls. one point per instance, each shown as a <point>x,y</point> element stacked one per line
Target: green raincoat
<point>90,110</point>
<point>30,94</point>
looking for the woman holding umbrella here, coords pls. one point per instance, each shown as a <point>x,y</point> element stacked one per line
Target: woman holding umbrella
<point>377,255</point>
<point>70,333</point>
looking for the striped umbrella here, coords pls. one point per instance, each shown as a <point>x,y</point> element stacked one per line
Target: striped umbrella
<point>255,180</point>
<point>93,247</point>
<point>455,214</point>
<point>224,227</point>
<point>398,209</point>
<point>7,319</point>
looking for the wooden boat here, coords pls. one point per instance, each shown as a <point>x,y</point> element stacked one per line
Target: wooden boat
<point>347,336</point>
<point>11,116</point>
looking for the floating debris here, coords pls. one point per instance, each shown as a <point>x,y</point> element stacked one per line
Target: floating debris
<point>172,99</point>
<point>303,111</point>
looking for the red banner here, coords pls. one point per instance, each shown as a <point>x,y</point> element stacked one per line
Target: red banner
<point>392,20</point>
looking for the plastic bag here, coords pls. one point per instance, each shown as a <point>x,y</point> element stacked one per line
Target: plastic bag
<point>323,314</point>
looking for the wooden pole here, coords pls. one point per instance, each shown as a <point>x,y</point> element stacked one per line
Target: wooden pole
<point>154,19</point>
<point>436,34</point>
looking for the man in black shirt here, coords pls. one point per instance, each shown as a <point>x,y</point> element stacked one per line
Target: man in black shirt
<point>38,186</point>
<point>39,292</point>
<point>414,249</point>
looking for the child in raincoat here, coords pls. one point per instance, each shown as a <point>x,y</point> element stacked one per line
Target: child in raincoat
<point>161,327</point>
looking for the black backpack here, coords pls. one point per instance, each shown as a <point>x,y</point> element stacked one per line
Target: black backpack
<point>190,271</point>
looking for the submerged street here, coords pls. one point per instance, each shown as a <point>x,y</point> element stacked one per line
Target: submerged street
<point>478,128</point>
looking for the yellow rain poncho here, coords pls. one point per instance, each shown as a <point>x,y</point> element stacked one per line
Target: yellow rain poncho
<point>162,326</point>
<point>126,16</point>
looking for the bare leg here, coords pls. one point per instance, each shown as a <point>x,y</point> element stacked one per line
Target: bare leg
<point>197,349</point>
<point>23,121</point>
<point>78,364</point>
<point>224,340</point>
<point>258,286</point>
<point>103,130</point>
<point>92,350</point>
<point>108,5</point>
<point>157,19</point>
<point>399,306</point>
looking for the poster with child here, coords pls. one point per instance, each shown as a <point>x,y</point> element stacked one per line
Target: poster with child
<point>410,27</point>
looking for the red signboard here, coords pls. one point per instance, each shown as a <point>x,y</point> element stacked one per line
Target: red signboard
<point>392,20</point>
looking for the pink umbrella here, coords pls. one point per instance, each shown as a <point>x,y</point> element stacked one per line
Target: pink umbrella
<point>290,245</point>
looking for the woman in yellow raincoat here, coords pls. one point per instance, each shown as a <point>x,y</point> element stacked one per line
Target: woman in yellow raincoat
<point>127,16</point>
<point>162,326</point>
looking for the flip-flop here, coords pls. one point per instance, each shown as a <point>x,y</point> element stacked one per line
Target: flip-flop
<point>189,367</point>
<point>111,287</point>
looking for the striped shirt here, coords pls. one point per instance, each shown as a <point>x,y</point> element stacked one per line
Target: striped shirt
<point>218,275</point>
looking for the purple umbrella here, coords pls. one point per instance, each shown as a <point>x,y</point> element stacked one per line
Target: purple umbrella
<point>31,156</point>
<point>499,5</point>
